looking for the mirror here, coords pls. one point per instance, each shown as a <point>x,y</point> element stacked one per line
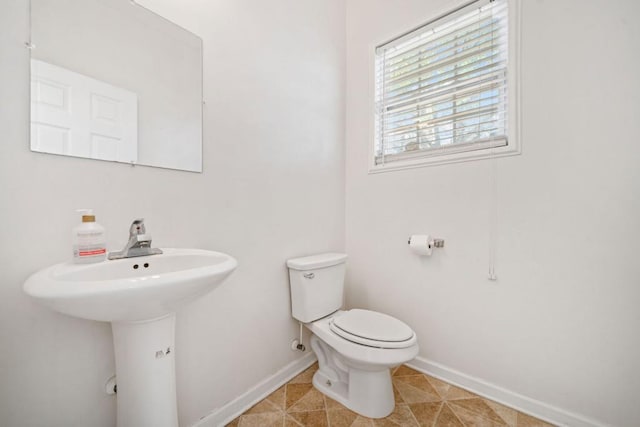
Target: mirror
<point>111,80</point>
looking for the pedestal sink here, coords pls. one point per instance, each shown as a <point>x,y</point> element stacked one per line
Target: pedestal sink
<point>139,296</point>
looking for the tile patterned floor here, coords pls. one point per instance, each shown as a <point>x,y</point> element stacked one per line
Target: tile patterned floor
<point>421,400</point>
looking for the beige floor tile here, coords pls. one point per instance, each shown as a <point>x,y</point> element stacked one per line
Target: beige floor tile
<point>295,392</point>
<point>415,388</point>
<point>426,413</point>
<point>396,396</point>
<point>449,391</point>
<point>476,406</point>
<point>278,397</point>
<point>313,400</point>
<point>440,386</point>
<point>525,420</point>
<point>263,406</point>
<point>306,376</point>
<point>267,419</point>
<point>310,418</point>
<point>455,393</point>
<point>446,418</point>
<point>405,370</point>
<point>362,422</point>
<point>401,416</point>
<point>472,419</point>
<point>420,382</point>
<point>290,422</point>
<point>341,417</point>
<point>331,404</point>
<point>510,416</point>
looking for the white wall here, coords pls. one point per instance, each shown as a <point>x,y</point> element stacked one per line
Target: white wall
<point>561,323</point>
<point>272,188</point>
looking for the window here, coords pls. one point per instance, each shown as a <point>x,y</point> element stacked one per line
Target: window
<point>442,91</point>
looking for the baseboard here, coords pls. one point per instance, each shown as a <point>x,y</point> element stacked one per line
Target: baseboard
<point>233,409</point>
<point>535,408</point>
<point>501,395</point>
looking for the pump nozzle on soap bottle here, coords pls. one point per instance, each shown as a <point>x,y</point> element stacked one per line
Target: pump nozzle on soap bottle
<point>89,239</point>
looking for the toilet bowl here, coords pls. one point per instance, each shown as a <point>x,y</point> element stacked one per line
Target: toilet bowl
<point>357,375</point>
<point>355,348</point>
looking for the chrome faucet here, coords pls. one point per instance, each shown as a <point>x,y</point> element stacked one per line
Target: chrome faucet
<point>139,243</point>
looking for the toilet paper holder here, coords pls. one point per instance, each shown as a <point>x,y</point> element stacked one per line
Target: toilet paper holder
<point>436,243</point>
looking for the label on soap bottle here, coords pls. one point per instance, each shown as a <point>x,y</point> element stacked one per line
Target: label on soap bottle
<point>89,245</point>
<point>91,252</point>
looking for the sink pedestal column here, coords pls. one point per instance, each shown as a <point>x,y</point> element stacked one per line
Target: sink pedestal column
<point>145,372</point>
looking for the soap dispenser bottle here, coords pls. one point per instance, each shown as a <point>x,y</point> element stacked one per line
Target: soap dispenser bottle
<point>89,239</point>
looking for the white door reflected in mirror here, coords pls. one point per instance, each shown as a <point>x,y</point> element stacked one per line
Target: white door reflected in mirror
<point>103,123</point>
<point>113,81</point>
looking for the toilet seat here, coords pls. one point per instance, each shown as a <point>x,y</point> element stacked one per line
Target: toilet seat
<point>372,329</point>
<point>375,353</point>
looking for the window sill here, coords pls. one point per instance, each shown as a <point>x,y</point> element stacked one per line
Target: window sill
<point>436,159</point>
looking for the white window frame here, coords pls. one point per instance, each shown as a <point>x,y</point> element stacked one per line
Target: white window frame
<point>467,152</point>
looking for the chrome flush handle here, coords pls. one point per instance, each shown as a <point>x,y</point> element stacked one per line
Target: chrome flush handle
<point>309,275</point>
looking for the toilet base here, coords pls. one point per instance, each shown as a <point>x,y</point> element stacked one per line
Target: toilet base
<point>368,392</point>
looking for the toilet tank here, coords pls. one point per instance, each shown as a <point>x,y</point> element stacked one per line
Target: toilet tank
<point>317,285</point>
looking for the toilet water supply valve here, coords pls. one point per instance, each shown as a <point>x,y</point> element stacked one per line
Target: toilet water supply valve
<point>296,345</point>
<point>111,387</point>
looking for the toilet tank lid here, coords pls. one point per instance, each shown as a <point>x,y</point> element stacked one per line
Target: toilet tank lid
<point>317,261</point>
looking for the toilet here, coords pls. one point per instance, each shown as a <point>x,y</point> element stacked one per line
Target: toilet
<point>355,348</point>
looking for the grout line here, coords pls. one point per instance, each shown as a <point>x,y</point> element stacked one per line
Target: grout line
<point>412,414</point>
<point>273,405</point>
<point>456,415</point>
<point>438,415</point>
<point>326,409</point>
<point>291,419</point>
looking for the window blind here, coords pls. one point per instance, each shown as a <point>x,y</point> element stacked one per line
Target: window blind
<point>442,88</point>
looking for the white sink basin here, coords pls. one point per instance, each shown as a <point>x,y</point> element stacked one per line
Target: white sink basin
<point>139,296</point>
<point>130,289</point>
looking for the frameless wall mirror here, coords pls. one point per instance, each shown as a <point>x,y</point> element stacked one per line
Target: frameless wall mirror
<point>111,80</point>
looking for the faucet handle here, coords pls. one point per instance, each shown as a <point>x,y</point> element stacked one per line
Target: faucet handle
<point>137,227</point>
